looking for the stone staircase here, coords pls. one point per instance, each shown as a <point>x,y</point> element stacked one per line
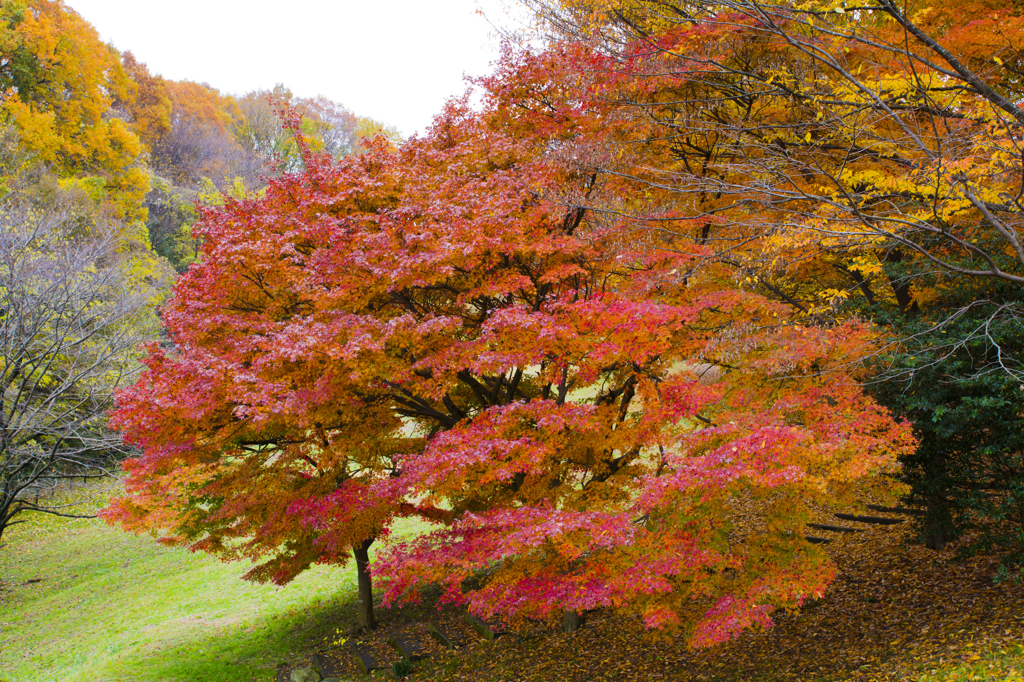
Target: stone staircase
<point>891,519</point>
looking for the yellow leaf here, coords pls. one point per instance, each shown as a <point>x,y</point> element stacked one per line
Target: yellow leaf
<point>997,60</point>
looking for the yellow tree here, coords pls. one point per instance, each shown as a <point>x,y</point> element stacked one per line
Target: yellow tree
<point>822,138</point>
<point>850,160</point>
<point>59,81</point>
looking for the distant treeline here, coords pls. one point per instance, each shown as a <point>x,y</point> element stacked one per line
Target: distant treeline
<point>146,147</point>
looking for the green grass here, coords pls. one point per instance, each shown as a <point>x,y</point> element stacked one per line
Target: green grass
<point>1005,664</point>
<point>113,606</point>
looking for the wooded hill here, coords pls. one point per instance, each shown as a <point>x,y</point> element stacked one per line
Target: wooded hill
<point>146,147</point>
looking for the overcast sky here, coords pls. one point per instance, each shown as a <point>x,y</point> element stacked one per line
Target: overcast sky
<point>396,62</point>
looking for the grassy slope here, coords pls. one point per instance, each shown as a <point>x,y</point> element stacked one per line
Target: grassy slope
<point>112,606</point>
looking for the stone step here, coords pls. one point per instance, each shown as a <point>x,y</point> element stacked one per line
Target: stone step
<point>304,674</point>
<point>326,666</point>
<point>834,529</point>
<point>486,630</point>
<point>408,648</point>
<point>815,540</point>
<point>366,662</point>
<point>878,520</point>
<point>440,635</point>
<point>897,510</point>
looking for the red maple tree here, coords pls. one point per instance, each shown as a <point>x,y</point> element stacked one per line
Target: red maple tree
<point>478,329</point>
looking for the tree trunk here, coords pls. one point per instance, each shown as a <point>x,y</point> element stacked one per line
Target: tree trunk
<point>571,621</point>
<point>362,555</point>
<point>901,286</point>
<point>938,533</point>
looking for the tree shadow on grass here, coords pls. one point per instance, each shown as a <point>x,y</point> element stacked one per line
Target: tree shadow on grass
<point>215,651</point>
<point>241,651</point>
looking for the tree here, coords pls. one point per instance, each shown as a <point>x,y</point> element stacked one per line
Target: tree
<point>967,417</point>
<point>171,213</point>
<point>59,85</point>
<point>260,131</point>
<point>200,143</point>
<point>447,329</point>
<point>59,81</point>
<point>834,116</point>
<point>71,315</point>
<point>334,128</point>
<point>327,127</point>
<point>368,128</point>
<point>149,105</point>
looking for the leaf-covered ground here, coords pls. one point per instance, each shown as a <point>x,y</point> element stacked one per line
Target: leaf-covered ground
<point>897,612</point>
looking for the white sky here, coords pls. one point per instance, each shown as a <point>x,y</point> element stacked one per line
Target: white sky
<point>396,62</point>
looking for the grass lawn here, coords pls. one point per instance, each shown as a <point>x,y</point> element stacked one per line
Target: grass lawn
<point>80,601</point>
<point>113,606</point>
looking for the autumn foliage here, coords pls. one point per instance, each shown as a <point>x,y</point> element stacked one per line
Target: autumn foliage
<point>679,280</point>
<point>482,330</point>
<point>859,161</point>
<point>57,81</point>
